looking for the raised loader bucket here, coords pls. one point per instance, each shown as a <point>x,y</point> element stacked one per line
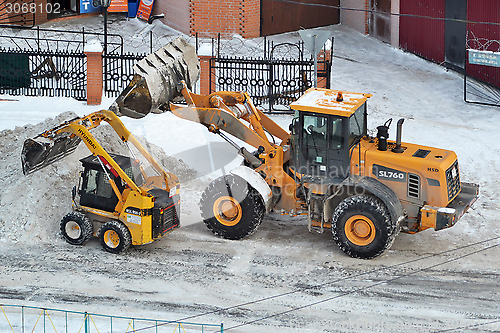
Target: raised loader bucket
<point>41,151</point>
<point>157,80</point>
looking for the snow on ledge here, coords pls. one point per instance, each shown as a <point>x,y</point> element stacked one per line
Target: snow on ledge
<point>93,45</point>
<point>205,49</point>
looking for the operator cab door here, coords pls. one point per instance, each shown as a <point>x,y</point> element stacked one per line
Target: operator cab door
<point>322,151</point>
<point>96,191</point>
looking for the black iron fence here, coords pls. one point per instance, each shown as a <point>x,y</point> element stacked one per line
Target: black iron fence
<point>279,75</point>
<point>272,84</point>
<point>118,71</point>
<point>47,62</point>
<point>24,38</point>
<point>43,73</point>
<point>51,62</point>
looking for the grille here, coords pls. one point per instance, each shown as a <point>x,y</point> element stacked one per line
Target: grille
<point>413,186</point>
<point>170,218</point>
<point>453,180</point>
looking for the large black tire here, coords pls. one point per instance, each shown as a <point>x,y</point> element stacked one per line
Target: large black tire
<point>231,208</point>
<point>114,237</point>
<point>76,228</point>
<point>362,226</point>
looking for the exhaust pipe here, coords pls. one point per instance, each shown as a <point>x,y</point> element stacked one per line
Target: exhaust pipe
<point>398,149</point>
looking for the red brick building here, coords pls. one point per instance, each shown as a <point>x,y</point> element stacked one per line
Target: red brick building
<point>248,18</point>
<point>210,17</point>
<point>22,12</point>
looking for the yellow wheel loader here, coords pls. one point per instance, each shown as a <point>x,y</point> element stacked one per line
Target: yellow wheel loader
<point>365,189</point>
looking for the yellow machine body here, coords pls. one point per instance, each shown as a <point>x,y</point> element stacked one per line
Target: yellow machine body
<point>135,205</point>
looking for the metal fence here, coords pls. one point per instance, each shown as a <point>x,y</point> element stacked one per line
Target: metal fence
<point>43,73</point>
<point>52,62</point>
<point>49,62</point>
<point>272,82</point>
<point>21,319</point>
<point>23,38</point>
<point>118,71</point>
<point>478,92</point>
<point>277,75</point>
<point>482,71</point>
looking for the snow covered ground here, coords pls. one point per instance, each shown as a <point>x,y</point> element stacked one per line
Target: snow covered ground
<point>282,278</point>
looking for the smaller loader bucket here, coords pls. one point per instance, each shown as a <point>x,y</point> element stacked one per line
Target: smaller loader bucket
<point>40,152</point>
<point>158,80</point>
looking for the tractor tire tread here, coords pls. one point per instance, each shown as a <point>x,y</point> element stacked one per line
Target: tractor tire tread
<point>85,225</point>
<point>252,202</point>
<point>122,231</point>
<point>359,204</point>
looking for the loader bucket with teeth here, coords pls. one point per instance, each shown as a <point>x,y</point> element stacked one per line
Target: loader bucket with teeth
<point>41,151</point>
<point>157,80</point>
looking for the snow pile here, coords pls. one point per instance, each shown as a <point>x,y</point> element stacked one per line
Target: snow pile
<point>31,206</point>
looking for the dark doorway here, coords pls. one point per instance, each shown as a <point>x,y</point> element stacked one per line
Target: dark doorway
<point>278,17</point>
<point>454,34</point>
<point>380,20</point>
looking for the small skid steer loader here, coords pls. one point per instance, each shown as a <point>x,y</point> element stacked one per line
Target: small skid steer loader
<point>123,201</point>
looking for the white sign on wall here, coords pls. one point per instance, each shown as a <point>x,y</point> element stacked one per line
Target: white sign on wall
<point>486,58</point>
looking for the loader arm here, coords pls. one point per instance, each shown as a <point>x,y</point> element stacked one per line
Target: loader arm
<point>225,111</point>
<point>62,142</point>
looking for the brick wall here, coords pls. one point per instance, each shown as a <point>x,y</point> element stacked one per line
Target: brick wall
<point>16,17</point>
<point>210,17</point>
<point>176,13</point>
<point>356,20</point>
<point>41,15</point>
<point>251,17</point>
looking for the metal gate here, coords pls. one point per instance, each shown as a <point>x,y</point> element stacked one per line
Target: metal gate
<point>281,16</point>
<point>455,34</point>
<point>50,62</point>
<point>380,20</point>
<point>118,71</point>
<point>272,83</point>
<point>43,73</point>
<point>481,56</point>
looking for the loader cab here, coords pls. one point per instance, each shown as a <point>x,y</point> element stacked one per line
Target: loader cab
<point>326,126</point>
<point>95,190</point>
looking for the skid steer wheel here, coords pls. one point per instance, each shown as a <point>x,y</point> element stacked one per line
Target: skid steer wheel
<point>114,237</point>
<point>76,228</point>
<point>362,227</point>
<point>231,208</point>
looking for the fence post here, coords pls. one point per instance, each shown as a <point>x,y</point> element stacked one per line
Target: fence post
<point>93,52</point>
<point>86,319</point>
<point>206,74</point>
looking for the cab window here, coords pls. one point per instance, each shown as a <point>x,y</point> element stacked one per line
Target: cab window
<point>357,125</point>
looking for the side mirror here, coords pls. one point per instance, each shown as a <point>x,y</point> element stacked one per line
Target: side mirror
<point>73,193</point>
<point>293,126</point>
